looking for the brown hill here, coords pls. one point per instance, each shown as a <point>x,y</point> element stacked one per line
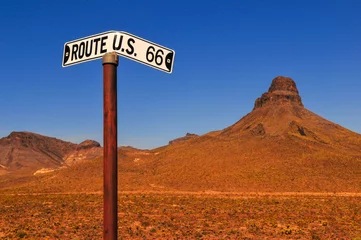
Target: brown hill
<point>89,149</point>
<point>28,152</point>
<point>279,146</point>
<point>25,150</point>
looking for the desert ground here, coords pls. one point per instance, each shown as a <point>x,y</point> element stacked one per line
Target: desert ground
<point>176,215</point>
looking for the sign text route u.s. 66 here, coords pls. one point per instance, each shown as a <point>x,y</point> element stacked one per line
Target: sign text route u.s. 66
<point>124,44</point>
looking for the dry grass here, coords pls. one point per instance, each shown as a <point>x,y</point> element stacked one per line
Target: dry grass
<point>164,216</point>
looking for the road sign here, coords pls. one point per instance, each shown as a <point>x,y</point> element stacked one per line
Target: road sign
<point>109,45</point>
<point>124,44</point>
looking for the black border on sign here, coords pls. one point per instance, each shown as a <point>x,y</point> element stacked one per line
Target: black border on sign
<point>125,33</point>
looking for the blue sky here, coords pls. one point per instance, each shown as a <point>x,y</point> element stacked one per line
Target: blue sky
<point>227,53</point>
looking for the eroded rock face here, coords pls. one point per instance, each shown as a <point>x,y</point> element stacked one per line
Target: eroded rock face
<point>282,90</point>
<point>258,130</point>
<point>281,83</point>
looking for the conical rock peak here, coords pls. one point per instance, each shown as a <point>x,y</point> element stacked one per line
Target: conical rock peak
<point>283,90</point>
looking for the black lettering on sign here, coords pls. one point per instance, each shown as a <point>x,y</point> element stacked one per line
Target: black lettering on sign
<point>96,45</point>
<point>66,54</point>
<point>89,49</point>
<point>150,54</point>
<point>102,49</point>
<point>131,50</point>
<point>159,57</point>
<point>73,52</point>
<point>81,50</point>
<point>117,47</point>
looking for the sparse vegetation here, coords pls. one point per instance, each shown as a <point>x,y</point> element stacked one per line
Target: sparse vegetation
<point>165,216</point>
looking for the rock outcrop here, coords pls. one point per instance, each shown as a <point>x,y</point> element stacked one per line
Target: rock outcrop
<point>88,144</point>
<point>282,90</point>
<point>182,139</point>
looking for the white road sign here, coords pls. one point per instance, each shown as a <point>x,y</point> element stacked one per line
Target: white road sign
<point>124,44</point>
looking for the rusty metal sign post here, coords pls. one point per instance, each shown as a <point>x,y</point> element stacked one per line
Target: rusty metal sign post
<point>108,46</point>
<point>110,168</point>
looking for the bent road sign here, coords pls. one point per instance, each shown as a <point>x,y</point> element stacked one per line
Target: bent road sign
<point>124,44</point>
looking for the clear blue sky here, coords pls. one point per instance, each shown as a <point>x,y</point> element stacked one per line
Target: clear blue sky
<point>227,53</point>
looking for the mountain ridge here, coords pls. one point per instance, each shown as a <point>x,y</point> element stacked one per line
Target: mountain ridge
<point>280,146</point>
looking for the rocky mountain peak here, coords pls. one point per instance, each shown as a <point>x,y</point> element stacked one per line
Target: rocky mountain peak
<point>282,90</point>
<point>281,83</point>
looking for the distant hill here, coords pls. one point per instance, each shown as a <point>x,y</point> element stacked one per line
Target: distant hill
<point>25,150</point>
<point>28,152</point>
<point>279,146</point>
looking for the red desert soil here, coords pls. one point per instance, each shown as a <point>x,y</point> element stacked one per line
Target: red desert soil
<point>181,216</point>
